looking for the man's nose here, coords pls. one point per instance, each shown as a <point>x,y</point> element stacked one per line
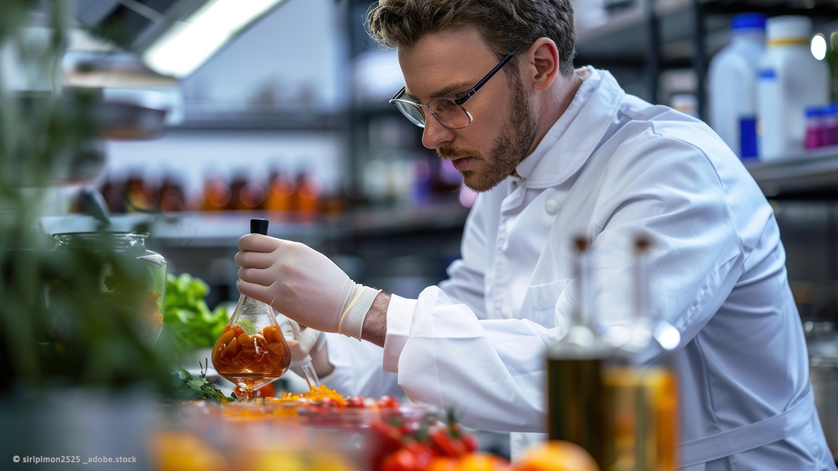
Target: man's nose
<point>435,134</point>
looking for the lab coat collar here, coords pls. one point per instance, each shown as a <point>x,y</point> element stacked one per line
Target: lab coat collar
<point>573,137</point>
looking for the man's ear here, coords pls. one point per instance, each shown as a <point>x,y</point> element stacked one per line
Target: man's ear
<point>543,62</point>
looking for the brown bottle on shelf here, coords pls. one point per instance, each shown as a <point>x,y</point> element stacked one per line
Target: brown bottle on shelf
<point>113,191</point>
<point>280,193</point>
<point>307,196</point>
<point>236,185</point>
<point>245,195</point>
<point>138,197</point>
<point>171,196</point>
<point>217,194</point>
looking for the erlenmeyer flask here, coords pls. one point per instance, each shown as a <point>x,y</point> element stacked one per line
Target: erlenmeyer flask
<point>251,351</point>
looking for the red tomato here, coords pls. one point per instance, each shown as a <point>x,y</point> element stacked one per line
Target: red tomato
<point>328,403</point>
<point>267,390</point>
<point>317,409</point>
<point>389,436</point>
<point>355,402</point>
<point>410,427</point>
<point>470,442</point>
<point>423,452</point>
<point>387,402</point>
<point>400,460</point>
<point>414,457</point>
<point>444,443</point>
<point>384,440</point>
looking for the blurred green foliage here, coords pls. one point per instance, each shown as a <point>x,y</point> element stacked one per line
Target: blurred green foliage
<point>56,328</point>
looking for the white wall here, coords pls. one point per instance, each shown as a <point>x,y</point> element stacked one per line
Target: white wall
<point>299,48</point>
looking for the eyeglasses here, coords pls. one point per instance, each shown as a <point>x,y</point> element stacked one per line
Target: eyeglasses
<point>447,110</point>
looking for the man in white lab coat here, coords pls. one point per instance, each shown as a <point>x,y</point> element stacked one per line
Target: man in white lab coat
<point>557,152</point>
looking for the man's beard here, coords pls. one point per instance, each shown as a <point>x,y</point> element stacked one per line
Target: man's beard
<point>509,148</point>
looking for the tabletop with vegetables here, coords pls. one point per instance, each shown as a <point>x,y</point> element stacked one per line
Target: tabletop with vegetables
<point>314,429</point>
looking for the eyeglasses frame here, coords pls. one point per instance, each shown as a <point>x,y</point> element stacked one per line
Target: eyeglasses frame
<point>458,101</point>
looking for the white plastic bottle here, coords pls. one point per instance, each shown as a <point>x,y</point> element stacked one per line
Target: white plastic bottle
<point>790,80</point>
<point>733,84</point>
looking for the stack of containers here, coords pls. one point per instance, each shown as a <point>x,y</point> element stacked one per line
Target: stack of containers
<point>820,122</point>
<point>733,84</point>
<point>790,80</point>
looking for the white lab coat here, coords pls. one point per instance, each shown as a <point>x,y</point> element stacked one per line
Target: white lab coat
<point>613,166</point>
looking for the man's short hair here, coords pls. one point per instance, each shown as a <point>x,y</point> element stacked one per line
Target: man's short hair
<point>507,26</point>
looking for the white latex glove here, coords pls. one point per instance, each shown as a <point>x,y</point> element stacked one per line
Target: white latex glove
<point>311,361</point>
<point>302,342</point>
<point>303,284</point>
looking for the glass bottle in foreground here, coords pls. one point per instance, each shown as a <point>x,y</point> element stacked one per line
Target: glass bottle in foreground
<point>251,351</point>
<point>578,406</point>
<point>610,388</point>
<point>643,397</point>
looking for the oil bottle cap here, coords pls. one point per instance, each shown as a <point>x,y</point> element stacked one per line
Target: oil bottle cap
<point>259,226</point>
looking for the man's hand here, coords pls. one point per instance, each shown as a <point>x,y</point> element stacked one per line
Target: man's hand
<point>302,342</point>
<point>306,344</point>
<point>302,284</point>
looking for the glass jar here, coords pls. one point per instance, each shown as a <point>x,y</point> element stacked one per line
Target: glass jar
<point>131,276</point>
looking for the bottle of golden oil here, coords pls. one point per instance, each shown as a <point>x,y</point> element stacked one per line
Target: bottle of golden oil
<point>610,389</point>
<point>641,388</point>
<point>579,408</point>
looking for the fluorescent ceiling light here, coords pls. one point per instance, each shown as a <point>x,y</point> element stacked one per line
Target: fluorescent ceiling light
<point>189,43</point>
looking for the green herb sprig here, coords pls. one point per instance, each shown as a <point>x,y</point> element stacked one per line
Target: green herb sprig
<point>190,388</point>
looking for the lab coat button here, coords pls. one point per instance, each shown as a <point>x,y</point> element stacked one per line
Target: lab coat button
<point>552,207</point>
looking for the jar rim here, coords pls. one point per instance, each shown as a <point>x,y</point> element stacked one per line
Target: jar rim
<point>95,239</point>
<point>59,235</point>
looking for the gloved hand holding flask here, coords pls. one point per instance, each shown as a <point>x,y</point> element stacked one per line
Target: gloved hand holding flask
<point>302,284</point>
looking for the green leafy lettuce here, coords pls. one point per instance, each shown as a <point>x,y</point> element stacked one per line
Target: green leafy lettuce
<point>190,322</point>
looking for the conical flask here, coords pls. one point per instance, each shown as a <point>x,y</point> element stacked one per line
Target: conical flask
<point>251,351</point>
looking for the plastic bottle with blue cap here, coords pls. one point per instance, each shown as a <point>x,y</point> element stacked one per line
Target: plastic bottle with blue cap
<point>733,84</point>
<point>789,80</point>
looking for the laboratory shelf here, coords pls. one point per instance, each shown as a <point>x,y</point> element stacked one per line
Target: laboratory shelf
<point>223,228</point>
<point>811,172</point>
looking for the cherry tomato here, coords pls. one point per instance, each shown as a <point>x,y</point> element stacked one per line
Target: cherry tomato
<point>387,402</point>
<point>410,426</point>
<point>401,460</point>
<point>389,436</point>
<point>384,439</point>
<point>422,451</point>
<point>320,410</point>
<point>470,442</point>
<point>442,441</point>
<point>267,390</point>
<point>355,402</point>
<point>328,403</point>
<point>414,456</point>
